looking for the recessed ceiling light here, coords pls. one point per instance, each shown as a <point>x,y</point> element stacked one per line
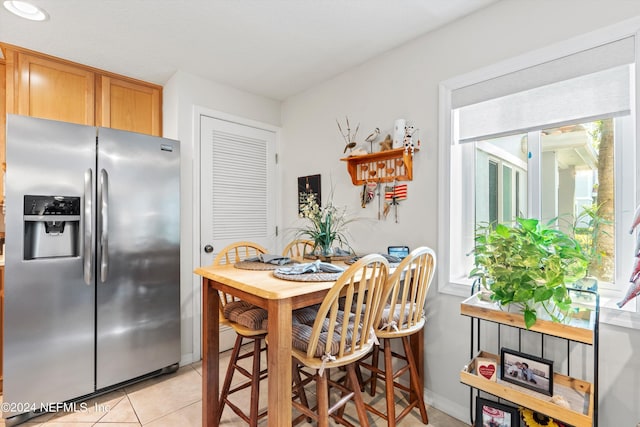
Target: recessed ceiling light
<point>25,10</point>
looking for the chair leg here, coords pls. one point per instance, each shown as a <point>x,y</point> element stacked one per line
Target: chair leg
<point>389,387</point>
<point>360,378</point>
<point>254,376</point>
<point>322,393</point>
<point>374,375</point>
<point>415,380</point>
<point>298,387</point>
<point>229,376</point>
<point>357,396</point>
<point>255,383</point>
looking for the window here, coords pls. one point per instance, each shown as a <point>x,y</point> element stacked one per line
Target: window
<point>500,165</point>
<point>576,189</point>
<point>552,140</point>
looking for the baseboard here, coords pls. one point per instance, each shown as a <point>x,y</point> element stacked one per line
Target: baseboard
<point>447,406</point>
<point>187,359</point>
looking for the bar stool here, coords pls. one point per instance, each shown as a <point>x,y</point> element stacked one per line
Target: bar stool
<point>340,338</point>
<point>402,316</point>
<point>247,321</point>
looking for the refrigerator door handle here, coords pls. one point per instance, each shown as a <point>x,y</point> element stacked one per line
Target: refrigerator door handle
<point>88,231</point>
<point>104,225</point>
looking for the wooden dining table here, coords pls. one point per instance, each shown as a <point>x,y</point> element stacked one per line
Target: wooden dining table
<point>279,297</point>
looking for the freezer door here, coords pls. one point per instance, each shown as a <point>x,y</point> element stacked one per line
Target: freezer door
<point>138,256</point>
<point>49,308</point>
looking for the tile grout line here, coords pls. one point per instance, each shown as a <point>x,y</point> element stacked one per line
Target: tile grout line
<point>132,407</point>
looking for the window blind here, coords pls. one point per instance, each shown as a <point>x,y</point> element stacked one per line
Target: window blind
<point>589,84</point>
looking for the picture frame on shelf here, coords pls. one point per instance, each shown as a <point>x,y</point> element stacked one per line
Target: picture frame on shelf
<point>525,370</point>
<point>494,414</point>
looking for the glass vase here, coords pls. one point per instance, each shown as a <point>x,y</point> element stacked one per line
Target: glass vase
<point>324,252</point>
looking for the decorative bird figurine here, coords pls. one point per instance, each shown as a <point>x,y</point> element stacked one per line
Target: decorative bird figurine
<point>372,137</point>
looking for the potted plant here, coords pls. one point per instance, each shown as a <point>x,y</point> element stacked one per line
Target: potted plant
<point>326,225</point>
<point>528,265</point>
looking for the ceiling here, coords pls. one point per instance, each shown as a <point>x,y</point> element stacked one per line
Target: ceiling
<point>273,48</point>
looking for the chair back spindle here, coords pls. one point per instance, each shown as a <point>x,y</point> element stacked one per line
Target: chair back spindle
<point>348,311</point>
<point>232,254</point>
<point>406,294</point>
<point>296,249</point>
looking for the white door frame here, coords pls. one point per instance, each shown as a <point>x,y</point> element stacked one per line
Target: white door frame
<point>197,280</point>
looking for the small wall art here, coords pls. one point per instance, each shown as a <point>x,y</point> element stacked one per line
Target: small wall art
<point>308,185</point>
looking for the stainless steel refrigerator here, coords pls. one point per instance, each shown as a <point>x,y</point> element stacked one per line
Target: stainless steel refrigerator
<point>92,260</point>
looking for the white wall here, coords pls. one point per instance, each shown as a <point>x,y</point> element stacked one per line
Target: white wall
<point>183,94</point>
<point>403,83</point>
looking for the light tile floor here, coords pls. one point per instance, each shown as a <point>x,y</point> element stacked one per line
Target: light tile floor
<point>175,400</point>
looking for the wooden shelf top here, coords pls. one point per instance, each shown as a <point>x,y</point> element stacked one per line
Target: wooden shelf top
<point>578,330</point>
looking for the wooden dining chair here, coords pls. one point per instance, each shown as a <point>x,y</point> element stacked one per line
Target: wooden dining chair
<point>297,248</point>
<point>402,316</point>
<point>339,338</point>
<point>247,321</point>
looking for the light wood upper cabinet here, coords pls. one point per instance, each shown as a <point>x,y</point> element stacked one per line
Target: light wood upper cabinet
<point>44,86</point>
<point>128,105</point>
<point>55,90</point>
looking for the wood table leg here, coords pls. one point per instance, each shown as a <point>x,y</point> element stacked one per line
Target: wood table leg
<point>210,354</point>
<point>279,363</point>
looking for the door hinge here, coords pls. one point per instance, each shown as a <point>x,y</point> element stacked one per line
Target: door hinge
<point>276,158</point>
<point>276,231</point>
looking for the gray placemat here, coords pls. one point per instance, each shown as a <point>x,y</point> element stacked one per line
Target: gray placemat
<point>308,277</point>
<point>258,265</point>
<point>333,257</point>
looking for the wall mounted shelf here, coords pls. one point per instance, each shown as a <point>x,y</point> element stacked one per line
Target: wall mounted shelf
<point>383,166</point>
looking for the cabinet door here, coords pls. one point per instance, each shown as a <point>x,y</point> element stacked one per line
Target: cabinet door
<point>55,90</point>
<point>128,105</point>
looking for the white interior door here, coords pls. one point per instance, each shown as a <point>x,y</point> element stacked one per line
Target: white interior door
<point>237,165</point>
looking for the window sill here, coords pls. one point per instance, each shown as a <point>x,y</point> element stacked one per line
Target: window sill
<point>610,314</point>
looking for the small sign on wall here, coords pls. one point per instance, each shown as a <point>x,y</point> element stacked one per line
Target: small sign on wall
<point>308,185</point>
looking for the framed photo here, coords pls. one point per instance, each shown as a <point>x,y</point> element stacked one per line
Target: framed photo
<point>308,185</point>
<point>494,414</point>
<point>527,371</point>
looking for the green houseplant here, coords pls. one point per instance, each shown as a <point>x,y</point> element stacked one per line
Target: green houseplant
<point>327,225</point>
<point>528,264</point>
